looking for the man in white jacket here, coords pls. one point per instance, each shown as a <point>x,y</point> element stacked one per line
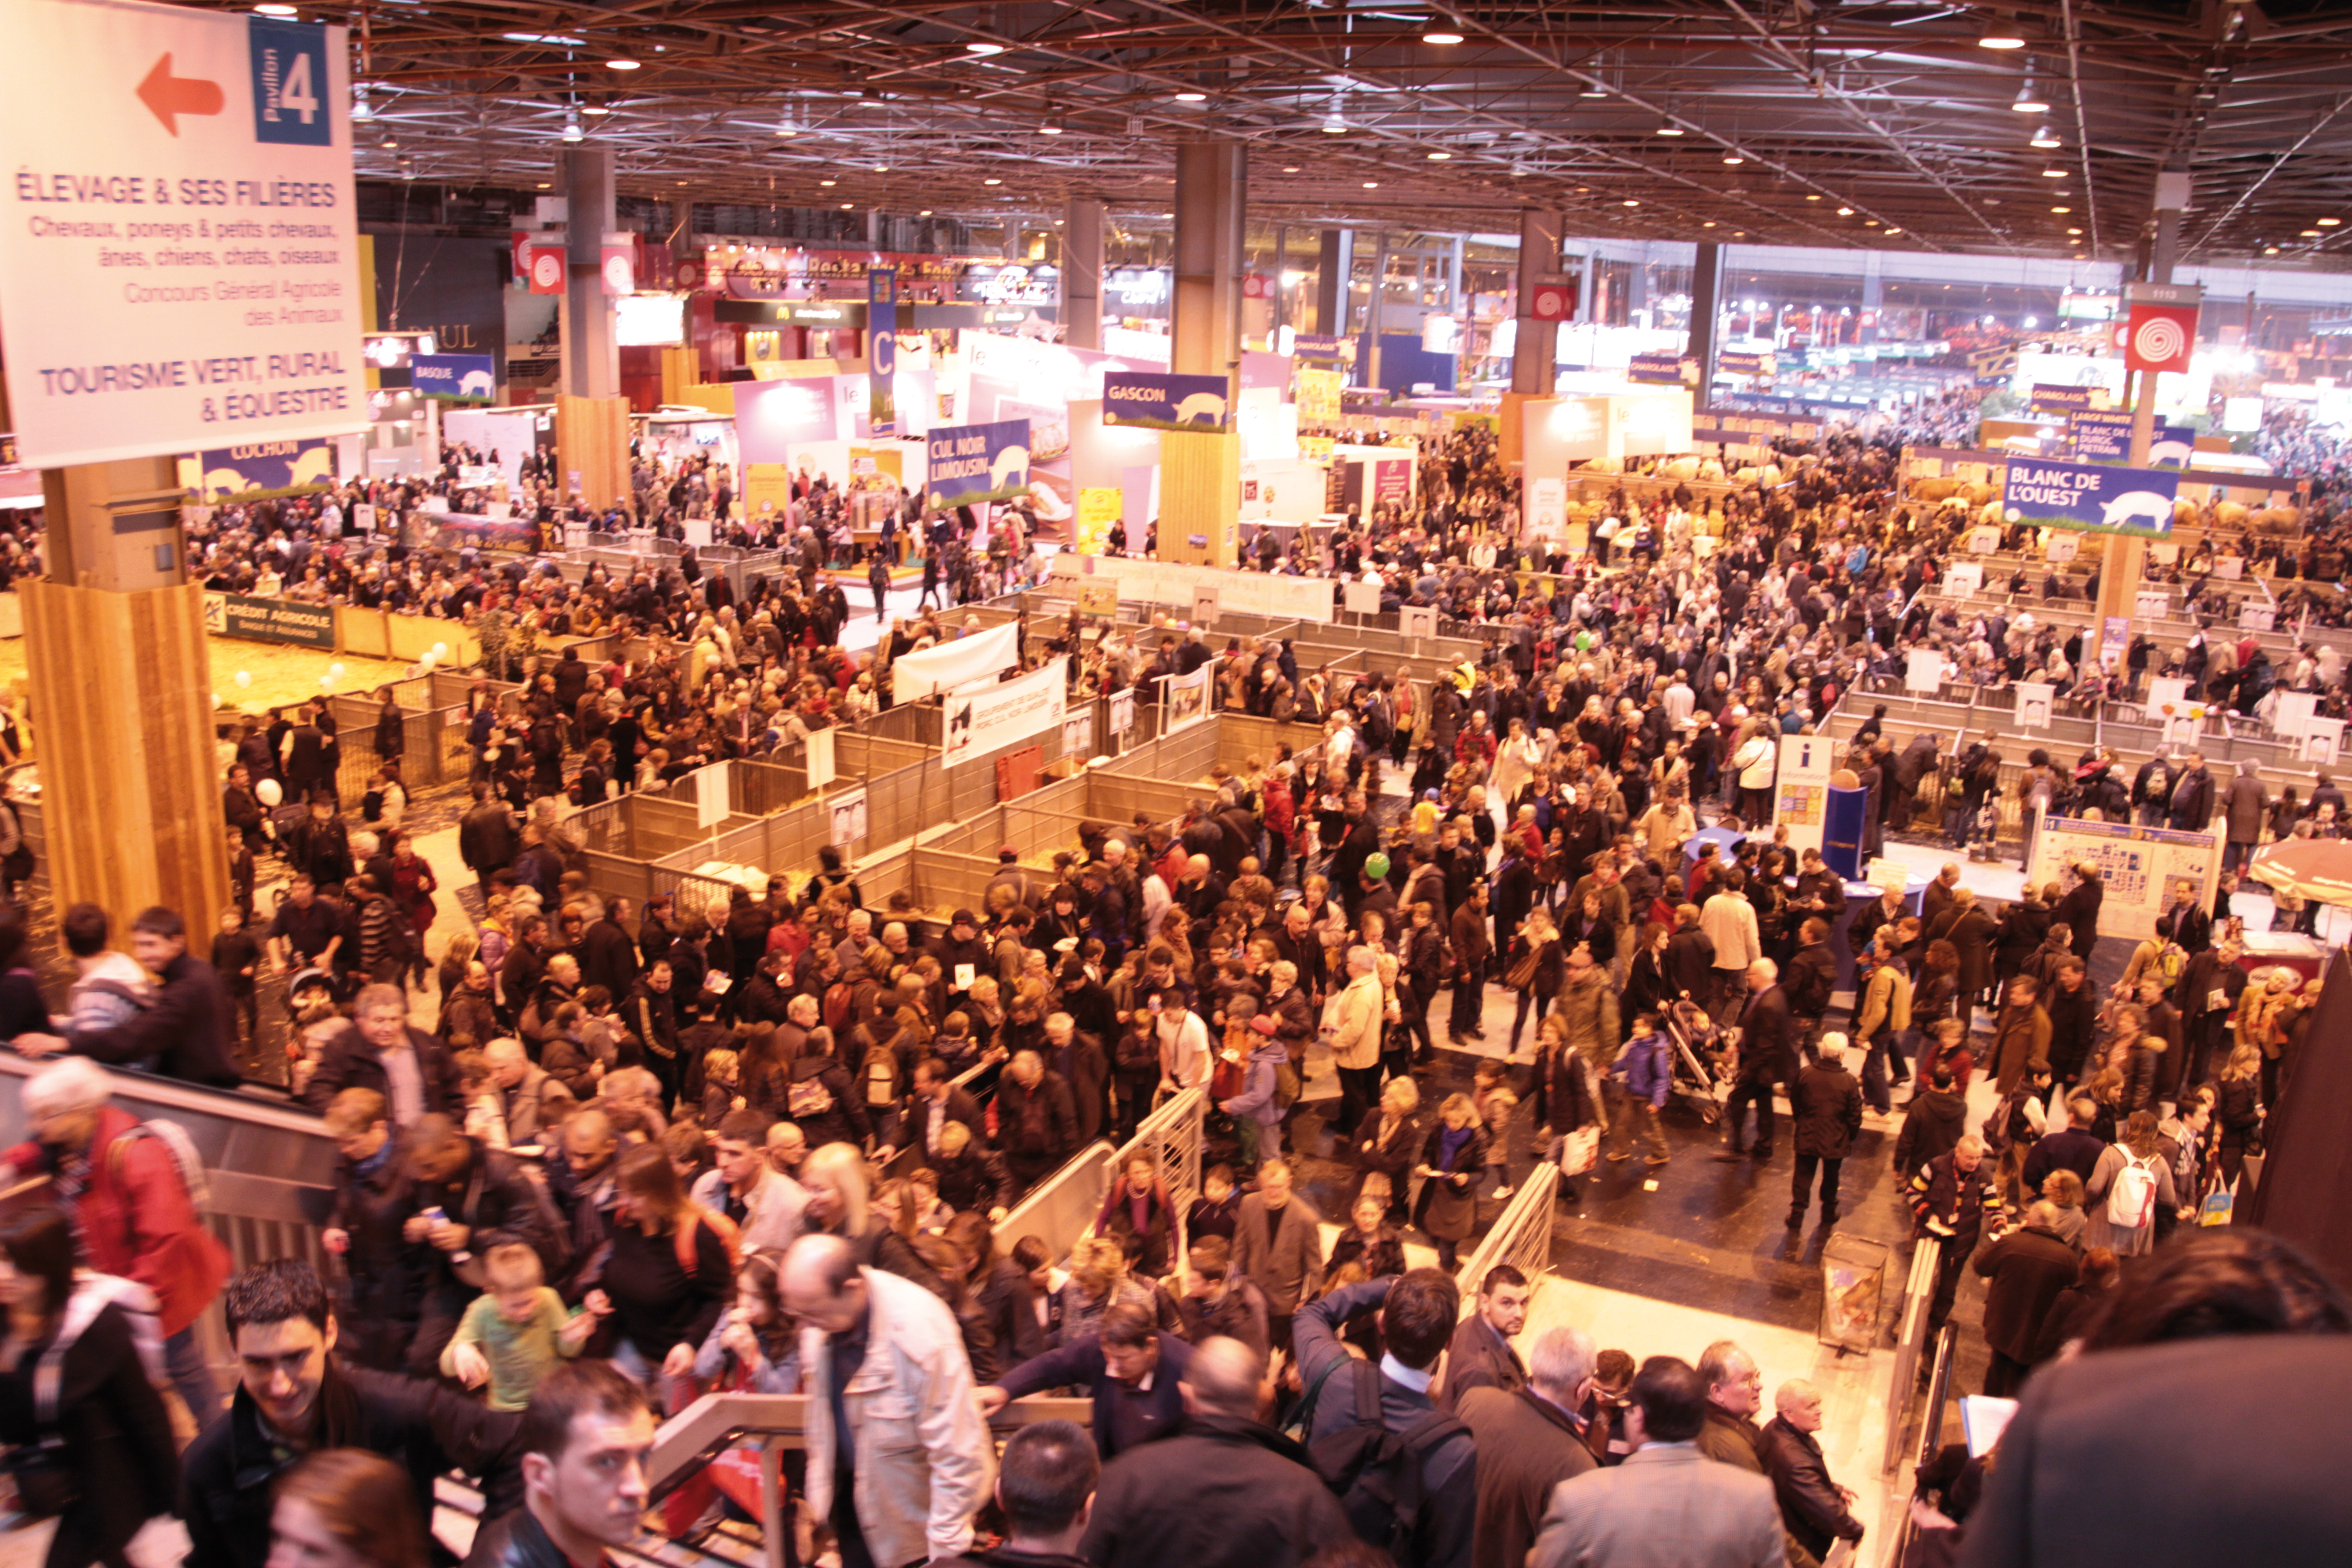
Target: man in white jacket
<point>1730,922</point>
<point>886,1367</point>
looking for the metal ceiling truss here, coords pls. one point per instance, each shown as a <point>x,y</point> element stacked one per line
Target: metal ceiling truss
<point>1785,122</point>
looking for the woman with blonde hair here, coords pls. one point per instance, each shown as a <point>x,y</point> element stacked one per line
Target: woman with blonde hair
<point>2239,1109</point>
<point>1453,1161</point>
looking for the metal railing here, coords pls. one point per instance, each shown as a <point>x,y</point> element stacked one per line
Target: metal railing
<point>1910,1343</point>
<point>1520,1236</point>
<point>1060,1211</point>
<point>716,1422</point>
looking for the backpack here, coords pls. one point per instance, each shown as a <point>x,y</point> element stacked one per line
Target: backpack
<point>808,1097</point>
<point>1285,1085</point>
<point>1377,1473</point>
<point>880,1072</point>
<point>2131,1196</point>
<point>183,1150</point>
<point>2002,1129</point>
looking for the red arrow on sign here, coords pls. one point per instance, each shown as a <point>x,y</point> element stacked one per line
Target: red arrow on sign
<point>170,95</point>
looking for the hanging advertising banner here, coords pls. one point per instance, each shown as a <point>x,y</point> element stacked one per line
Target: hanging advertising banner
<point>617,265</point>
<point>2162,332</point>
<point>1662,369</point>
<point>1161,401</point>
<point>1800,793</point>
<point>1315,449</point>
<point>1744,364</point>
<point>455,378</point>
<point>1323,346</point>
<point>978,656</point>
<point>2090,497</point>
<point>989,718</point>
<point>882,349</point>
<point>1392,481</point>
<point>255,472</point>
<point>969,463</point>
<point>547,262</point>
<point>270,620</point>
<point>2106,437</point>
<point>2046,398</point>
<point>179,270</point>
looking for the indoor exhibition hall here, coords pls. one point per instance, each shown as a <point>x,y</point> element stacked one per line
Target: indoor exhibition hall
<point>1175,783</point>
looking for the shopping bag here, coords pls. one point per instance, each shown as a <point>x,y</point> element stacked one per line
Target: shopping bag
<point>1579,1151</point>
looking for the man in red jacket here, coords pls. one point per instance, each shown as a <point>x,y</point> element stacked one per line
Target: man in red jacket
<point>119,1182</point>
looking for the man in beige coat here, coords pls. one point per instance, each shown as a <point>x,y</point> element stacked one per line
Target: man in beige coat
<point>1353,1021</point>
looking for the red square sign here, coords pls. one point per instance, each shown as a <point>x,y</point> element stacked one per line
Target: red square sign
<point>1551,302</point>
<point>2159,337</point>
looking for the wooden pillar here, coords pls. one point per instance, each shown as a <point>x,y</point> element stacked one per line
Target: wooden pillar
<point>592,447</point>
<point>1200,497</point>
<point>131,782</point>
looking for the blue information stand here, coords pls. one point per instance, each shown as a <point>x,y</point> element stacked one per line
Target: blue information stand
<point>1842,824</point>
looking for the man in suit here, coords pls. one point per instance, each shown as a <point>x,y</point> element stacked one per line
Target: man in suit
<point>1530,1439</point>
<point>1278,1247</point>
<point>936,1101</point>
<point>1667,1506</point>
<point>1767,1059</point>
<point>1480,1355</point>
<point>2024,1272</point>
<point>2193,797</point>
<point>1815,1508</point>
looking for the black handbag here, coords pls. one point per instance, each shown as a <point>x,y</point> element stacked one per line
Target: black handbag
<point>47,1484</point>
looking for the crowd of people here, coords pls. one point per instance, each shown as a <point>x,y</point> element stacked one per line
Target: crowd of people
<point>617,1157</point>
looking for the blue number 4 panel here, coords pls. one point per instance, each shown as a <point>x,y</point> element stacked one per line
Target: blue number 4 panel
<point>290,83</point>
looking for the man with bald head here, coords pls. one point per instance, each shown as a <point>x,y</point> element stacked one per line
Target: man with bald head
<point>899,1459</point>
<point>1224,1492</point>
<point>1817,1511</point>
<point>1530,1439</point>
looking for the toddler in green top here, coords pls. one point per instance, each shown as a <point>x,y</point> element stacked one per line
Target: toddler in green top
<point>514,1332</point>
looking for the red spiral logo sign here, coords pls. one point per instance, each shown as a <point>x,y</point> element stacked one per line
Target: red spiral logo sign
<point>2158,339</point>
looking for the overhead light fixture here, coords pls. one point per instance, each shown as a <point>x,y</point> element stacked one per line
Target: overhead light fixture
<point>1813,196</point>
<point>881,168</point>
<point>2311,234</point>
<point>1191,95</point>
<point>984,182</point>
<point>1290,168</point>
<point>2074,231</point>
<point>1670,128</point>
<point>845,206</point>
<point>1708,224</point>
<point>273,10</point>
<point>2045,138</point>
<point>2270,250</point>
<point>1845,212</point>
<point>1631,202</point>
<point>1371,184</point>
<point>1437,157</point>
<point>2330,222</point>
<point>360,109</point>
<point>1054,126</point>
<point>2062,211</point>
<point>572,132</point>
<point>622,65</point>
<point>1593,89</point>
<point>1334,126</point>
<point>2029,102</point>
<point>977,47</point>
<point>1895,231</point>
<point>828,182</point>
<point>563,40</point>
<point>1440,38</point>
<point>2001,38</point>
<point>2054,173</point>
<point>1733,160</point>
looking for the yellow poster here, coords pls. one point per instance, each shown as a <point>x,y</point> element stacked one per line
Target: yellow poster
<point>1315,449</point>
<point>1098,508</point>
<point>876,467</point>
<point>767,488</point>
<point>1318,394</point>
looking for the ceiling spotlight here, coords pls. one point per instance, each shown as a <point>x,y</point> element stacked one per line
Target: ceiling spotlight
<point>546,185</point>
<point>925,213</point>
<point>273,10</point>
<point>1845,212</point>
<point>2074,231</point>
<point>1335,126</point>
<point>1593,89</point>
<point>595,109</point>
<point>1371,184</point>
<point>982,48</point>
<point>1631,202</point>
<point>360,109</point>
<point>1167,215</point>
<point>2330,222</point>
<point>572,132</point>
<point>2311,234</point>
<point>1440,38</point>
<point>2001,38</point>
<point>1895,231</point>
<point>1054,125</point>
<point>2270,250</point>
<point>984,182</point>
<point>1437,157</point>
<point>881,168</point>
<point>1708,224</point>
<point>1813,196</point>
<point>1733,160</point>
<point>1191,95</point>
<point>828,182</point>
<point>1670,128</point>
<point>1290,168</point>
<point>2054,173</point>
<point>389,143</point>
<point>2029,102</point>
<point>2062,211</point>
<point>845,206</point>
<point>2045,138</point>
<point>622,65</point>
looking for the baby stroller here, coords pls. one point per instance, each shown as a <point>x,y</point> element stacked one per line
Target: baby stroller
<point>1702,1058</point>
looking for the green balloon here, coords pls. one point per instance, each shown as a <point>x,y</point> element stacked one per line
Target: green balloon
<point>1376,866</point>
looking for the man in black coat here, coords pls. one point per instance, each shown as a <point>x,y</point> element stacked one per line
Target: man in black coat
<point>2024,1272</point>
<point>1767,1059</point>
<point>1812,978</point>
<point>1813,1507</point>
<point>1224,1492</point>
<point>181,1033</point>
<point>1130,1369</point>
<point>295,1397</point>
<point>1826,1102</point>
<point>2193,797</point>
<point>378,1050</point>
<point>486,839</point>
<point>1481,1354</point>
<point>608,955</point>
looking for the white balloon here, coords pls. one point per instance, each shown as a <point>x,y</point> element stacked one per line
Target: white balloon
<point>244,678</point>
<point>269,792</point>
<point>336,671</point>
<point>429,658</point>
<point>325,681</point>
<point>217,700</point>
<point>440,651</point>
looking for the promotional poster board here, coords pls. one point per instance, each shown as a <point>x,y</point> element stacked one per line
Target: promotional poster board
<point>2090,497</point>
<point>1800,794</point>
<point>848,813</point>
<point>1318,394</point>
<point>948,665</point>
<point>1923,670</point>
<point>882,350</point>
<point>993,717</point>
<point>455,378</point>
<point>1417,623</point>
<point>1143,582</point>
<point>2033,704</point>
<point>270,620</point>
<point>179,270</point>
<point>2137,865</point>
<point>1098,508</point>
<point>1122,711</point>
<point>2323,742</point>
<point>1185,698</point>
